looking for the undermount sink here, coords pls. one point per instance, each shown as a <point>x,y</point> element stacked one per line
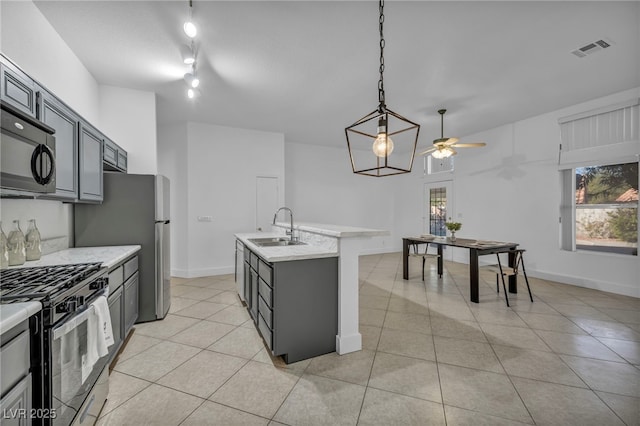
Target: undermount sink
<point>275,242</point>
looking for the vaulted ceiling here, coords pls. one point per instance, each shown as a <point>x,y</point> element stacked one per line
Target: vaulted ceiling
<point>308,69</point>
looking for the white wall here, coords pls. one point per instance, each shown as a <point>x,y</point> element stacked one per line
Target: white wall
<point>322,188</point>
<point>128,118</point>
<point>213,172</point>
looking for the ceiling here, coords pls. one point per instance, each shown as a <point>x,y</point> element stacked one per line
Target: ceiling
<point>309,69</point>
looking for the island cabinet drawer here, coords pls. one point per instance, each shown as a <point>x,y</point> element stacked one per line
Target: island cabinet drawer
<point>14,361</point>
<point>265,331</point>
<point>247,255</point>
<point>265,292</point>
<point>130,267</point>
<point>265,311</point>
<point>116,278</point>
<point>254,261</point>
<point>265,271</point>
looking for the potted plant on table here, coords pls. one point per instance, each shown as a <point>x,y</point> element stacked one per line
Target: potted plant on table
<point>453,227</point>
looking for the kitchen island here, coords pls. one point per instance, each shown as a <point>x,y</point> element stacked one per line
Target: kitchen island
<point>324,241</point>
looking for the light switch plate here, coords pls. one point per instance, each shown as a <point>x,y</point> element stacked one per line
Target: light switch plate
<point>205,218</point>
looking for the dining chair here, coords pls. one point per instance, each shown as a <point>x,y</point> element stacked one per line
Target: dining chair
<point>415,252</point>
<point>504,270</point>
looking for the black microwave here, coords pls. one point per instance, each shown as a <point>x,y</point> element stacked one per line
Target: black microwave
<point>27,153</point>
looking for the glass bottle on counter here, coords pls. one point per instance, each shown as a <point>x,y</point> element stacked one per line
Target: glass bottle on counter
<point>4,253</point>
<point>15,246</point>
<point>33,246</point>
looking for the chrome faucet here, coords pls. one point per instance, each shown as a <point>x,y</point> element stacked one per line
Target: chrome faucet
<point>289,232</point>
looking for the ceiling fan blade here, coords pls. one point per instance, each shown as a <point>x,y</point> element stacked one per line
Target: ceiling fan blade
<point>428,151</point>
<point>470,145</point>
<point>451,141</point>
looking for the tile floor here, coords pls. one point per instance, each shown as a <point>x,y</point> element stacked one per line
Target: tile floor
<point>430,357</point>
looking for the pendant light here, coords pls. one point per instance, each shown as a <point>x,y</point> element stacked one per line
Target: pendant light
<point>369,139</point>
<point>188,53</point>
<point>189,27</point>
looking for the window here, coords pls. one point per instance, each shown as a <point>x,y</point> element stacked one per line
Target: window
<point>437,211</point>
<point>606,208</point>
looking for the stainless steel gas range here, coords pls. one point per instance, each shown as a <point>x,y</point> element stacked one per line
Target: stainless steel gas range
<point>70,381</point>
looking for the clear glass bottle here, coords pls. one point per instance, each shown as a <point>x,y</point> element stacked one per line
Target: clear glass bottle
<point>4,253</point>
<point>33,244</point>
<point>16,243</point>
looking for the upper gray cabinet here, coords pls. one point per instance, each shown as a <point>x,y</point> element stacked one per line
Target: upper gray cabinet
<point>66,123</point>
<point>17,88</point>
<point>115,158</point>
<point>90,163</point>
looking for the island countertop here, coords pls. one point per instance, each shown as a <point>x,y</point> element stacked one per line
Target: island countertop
<point>284,253</point>
<point>337,231</point>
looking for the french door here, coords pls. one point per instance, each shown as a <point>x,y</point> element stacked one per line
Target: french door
<point>437,208</point>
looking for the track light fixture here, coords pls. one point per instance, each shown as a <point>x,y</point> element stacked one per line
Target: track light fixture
<point>189,27</point>
<point>188,53</point>
<point>193,93</point>
<point>192,79</point>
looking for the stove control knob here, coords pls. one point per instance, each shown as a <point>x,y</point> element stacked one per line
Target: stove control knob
<point>98,284</point>
<point>68,305</point>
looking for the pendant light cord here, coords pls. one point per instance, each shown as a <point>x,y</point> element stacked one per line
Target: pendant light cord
<point>382,107</point>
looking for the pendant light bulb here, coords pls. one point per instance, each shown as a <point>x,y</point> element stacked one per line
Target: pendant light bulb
<point>190,29</point>
<point>193,93</point>
<point>383,145</point>
<point>188,54</point>
<point>192,80</point>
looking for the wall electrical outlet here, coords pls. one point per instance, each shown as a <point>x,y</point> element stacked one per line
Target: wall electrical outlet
<point>205,218</point>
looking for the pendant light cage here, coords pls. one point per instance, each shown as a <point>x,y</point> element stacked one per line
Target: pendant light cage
<point>362,135</point>
<point>375,137</point>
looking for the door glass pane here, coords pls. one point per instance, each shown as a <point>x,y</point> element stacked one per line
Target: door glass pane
<point>437,211</point>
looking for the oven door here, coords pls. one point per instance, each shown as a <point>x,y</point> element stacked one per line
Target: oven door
<point>75,366</point>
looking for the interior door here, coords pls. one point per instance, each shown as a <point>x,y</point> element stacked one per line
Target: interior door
<point>438,207</point>
<point>266,201</point>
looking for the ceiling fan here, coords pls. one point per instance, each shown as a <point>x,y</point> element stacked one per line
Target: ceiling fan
<point>444,147</point>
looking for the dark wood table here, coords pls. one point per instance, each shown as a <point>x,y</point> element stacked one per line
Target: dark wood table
<point>476,249</point>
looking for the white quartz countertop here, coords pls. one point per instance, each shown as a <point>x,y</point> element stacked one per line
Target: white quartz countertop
<point>284,253</point>
<point>338,231</point>
<point>13,314</point>
<point>109,256</point>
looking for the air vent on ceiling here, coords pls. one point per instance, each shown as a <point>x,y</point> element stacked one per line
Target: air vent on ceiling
<point>590,48</point>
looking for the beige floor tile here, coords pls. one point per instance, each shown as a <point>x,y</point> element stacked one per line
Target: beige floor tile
<point>226,298</point>
<point>156,361</point>
<point>504,316</point>
<point>488,393</point>
<point>242,342</point>
<point>203,374</point>
<point>373,302</point>
<point>628,350</point>
<point>354,367</point>
<point>399,304</point>
<point>579,311</point>
<point>386,408</point>
<point>406,376</point>
<point>179,280</point>
<point>464,330</point>
<point>370,336</point>
<point>256,388</point>
<point>609,329</point>
<point>234,315</point>
<point>409,322</point>
<point>162,329</point>
<point>519,337</point>
<point>623,315</point>
<point>407,343</point>
<point>626,407</point>
<point>607,376</point>
<point>321,401</point>
<point>210,413</point>
<point>554,322</point>
<point>451,310</point>
<point>224,285</point>
<point>178,291</point>
<point>122,387</point>
<point>202,282</point>
<point>200,293</point>
<point>461,417</point>
<point>200,310</point>
<point>375,289</point>
<point>537,365</point>
<point>296,368</point>
<point>178,303</point>
<point>202,334</point>
<point>552,404</point>
<point>155,405</point>
<point>573,344</point>
<point>136,344</point>
<point>467,353</point>
<point>524,305</point>
<point>373,317</point>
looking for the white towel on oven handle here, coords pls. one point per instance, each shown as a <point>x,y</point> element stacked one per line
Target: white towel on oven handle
<point>105,330</point>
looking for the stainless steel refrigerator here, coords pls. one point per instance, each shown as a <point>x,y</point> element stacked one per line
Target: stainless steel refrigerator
<point>135,210</point>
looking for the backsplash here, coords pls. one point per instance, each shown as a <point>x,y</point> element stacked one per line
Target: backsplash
<point>54,220</point>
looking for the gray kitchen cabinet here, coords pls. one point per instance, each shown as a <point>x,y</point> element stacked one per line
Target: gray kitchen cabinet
<point>294,304</point>
<point>131,302</point>
<point>17,88</point>
<point>115,158</point>
<point>123,300</point>
<point>15,381</point>
<point>66,123</point>
<point>15,407</point>
<point>115,310</point>
<point>90,163</point>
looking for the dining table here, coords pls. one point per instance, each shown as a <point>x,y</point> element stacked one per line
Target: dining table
<point>476,249</point>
